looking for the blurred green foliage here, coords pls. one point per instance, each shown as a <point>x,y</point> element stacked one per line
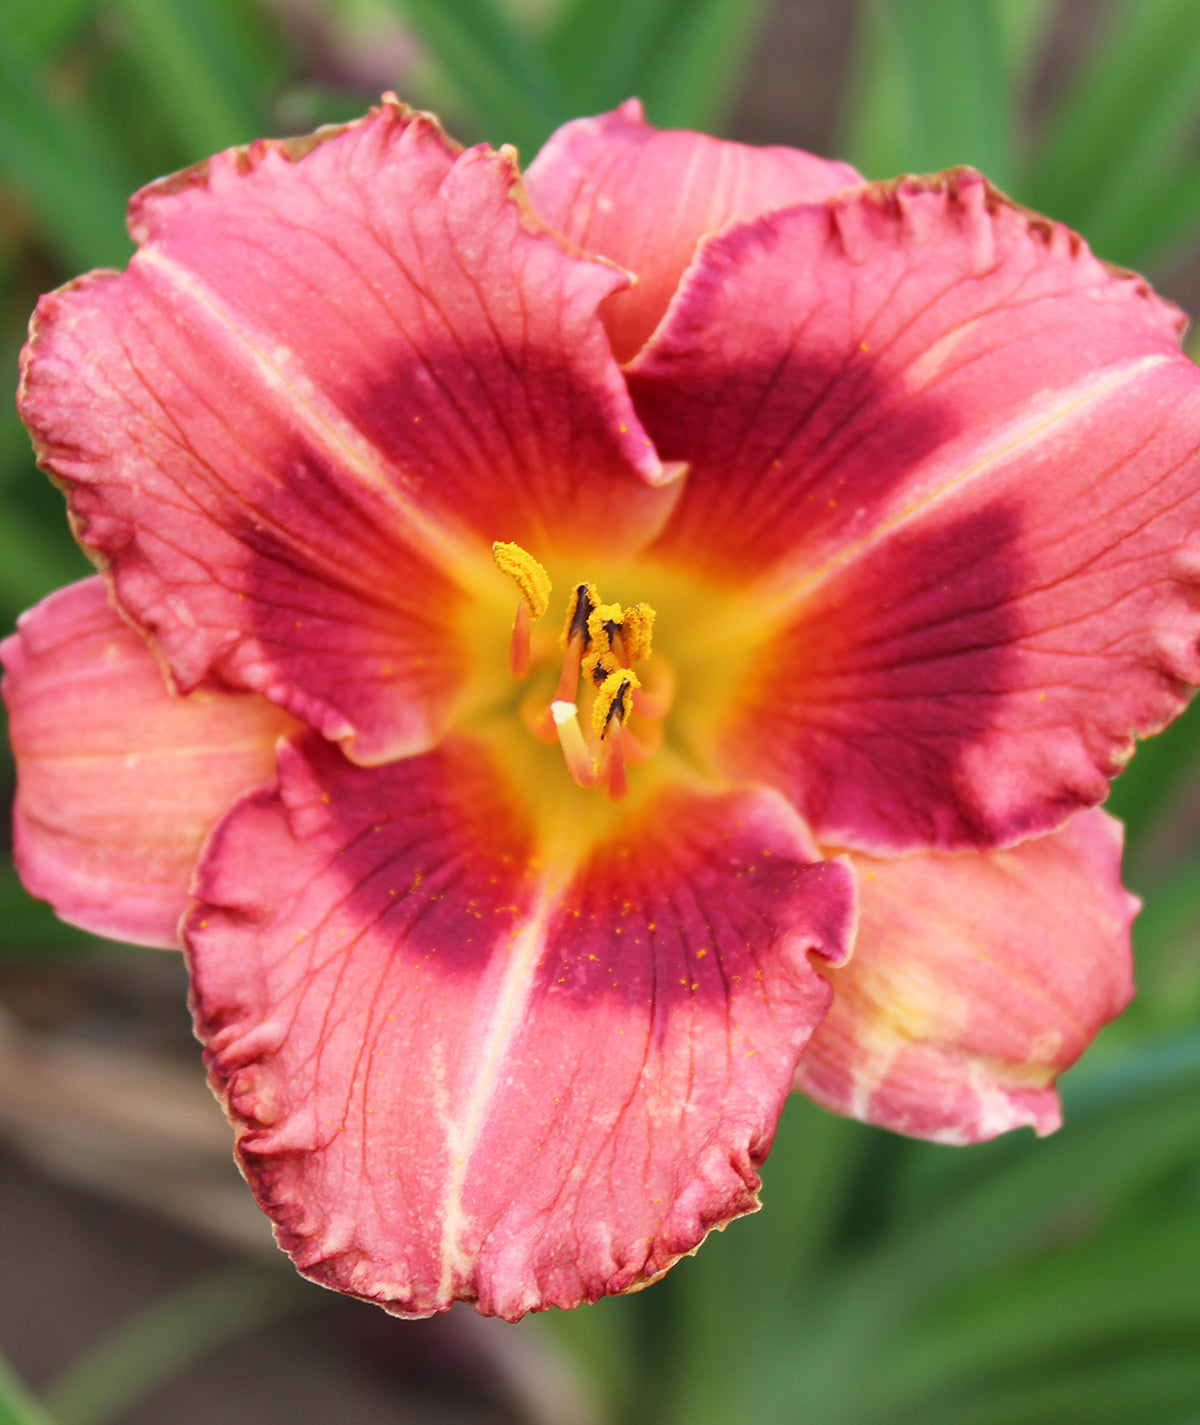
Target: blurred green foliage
<point>1115,157</point>
<point>887,1281</point>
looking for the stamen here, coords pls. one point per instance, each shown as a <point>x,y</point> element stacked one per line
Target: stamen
<point>603,625</point>
<point>568,683</point>
<point>533,584</point>
<point>614,701</point>
<point>618,783</point>
<point>637,626</point>
<point>584,598</point>
<point>640,748</point>
<point>519,656</point>
<point>600,641</point>
<point>535,714</point>
<point>597,667</point>
<point>653,702</point>
<point>523,569</point>
<point>575,749</point>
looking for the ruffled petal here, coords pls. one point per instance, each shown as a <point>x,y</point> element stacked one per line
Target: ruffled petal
<point>645,197</point>
<point>976,980</point>
<point>119,781</point>
<point>462,1068</point>
<point>336,371</point>
<point>957,459</point>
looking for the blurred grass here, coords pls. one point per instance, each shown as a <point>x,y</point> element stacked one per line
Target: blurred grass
<point>17,1406</point>
<point>887,1281</point>
<point>137,1355</point>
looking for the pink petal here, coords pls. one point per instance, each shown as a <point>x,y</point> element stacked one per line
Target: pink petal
<point>645,197</point>
<point>976,980</point>
<point>337,370</point>
<point>119,781</point>
<point>956,457</point>
<point>461,1069</point>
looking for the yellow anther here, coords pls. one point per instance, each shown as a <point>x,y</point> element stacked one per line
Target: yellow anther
<point>637,625</point>
<point>584,599</point>
<point>614,701</point>
<point>599,665</point>
<point>522,568</point>
<point>604,623</point>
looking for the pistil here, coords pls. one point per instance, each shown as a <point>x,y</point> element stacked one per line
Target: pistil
<point>576,753</point>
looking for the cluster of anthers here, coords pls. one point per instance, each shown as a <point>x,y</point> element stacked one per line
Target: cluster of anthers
<point>600,641</point>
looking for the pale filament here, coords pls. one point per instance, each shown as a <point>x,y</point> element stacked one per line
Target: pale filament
<point>614,752</point>
<point>568,684</point>
<point>654,702</point>
<point>518,654</point>
<point>537,717</point>
<point>640,749</point>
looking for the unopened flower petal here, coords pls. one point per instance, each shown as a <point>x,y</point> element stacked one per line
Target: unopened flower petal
<point>646,197</point>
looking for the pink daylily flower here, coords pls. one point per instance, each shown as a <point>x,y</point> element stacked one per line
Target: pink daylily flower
<point>507,947</point>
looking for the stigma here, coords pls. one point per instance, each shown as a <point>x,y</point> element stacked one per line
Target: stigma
<point>600,642</point>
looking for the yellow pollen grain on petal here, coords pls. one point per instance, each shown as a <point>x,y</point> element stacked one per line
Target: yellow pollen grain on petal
<point>523,569</point>
<point>614,701</point>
